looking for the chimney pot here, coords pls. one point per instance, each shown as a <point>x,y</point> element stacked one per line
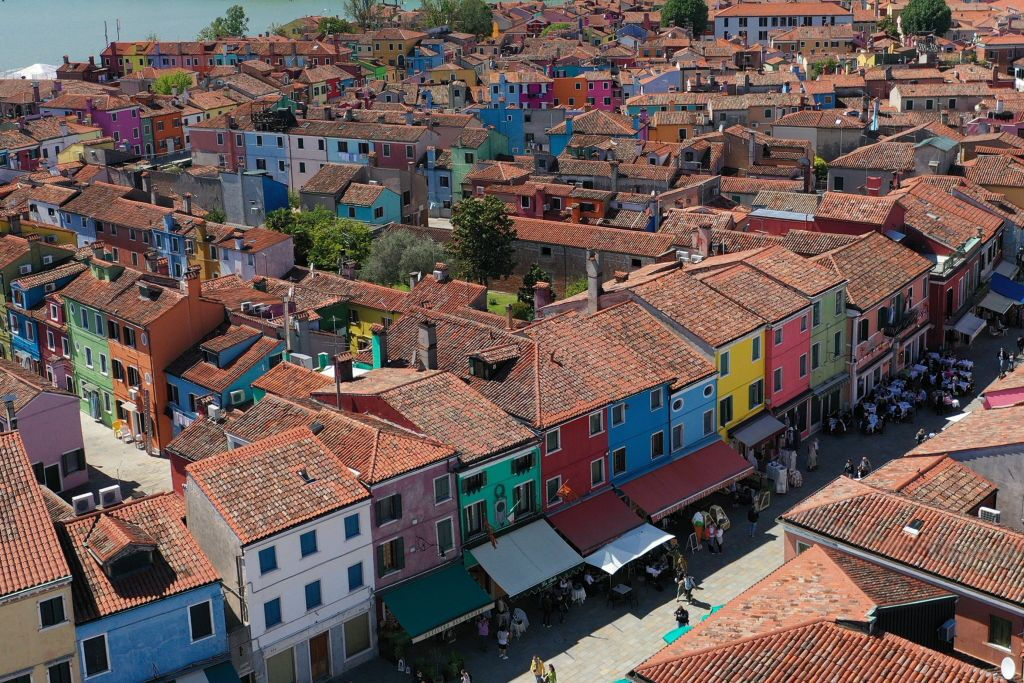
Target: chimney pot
<point>594,276</point>
<point>426,345</point>
<point>343,368</point>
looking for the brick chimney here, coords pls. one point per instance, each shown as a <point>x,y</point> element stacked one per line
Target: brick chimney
<point>704,240</point>
<point>441,271</point>
<point>541,296</point>
<point>426,345</point>
<point>873,186</point>
<point>594,276</point>
<point>615,174</point>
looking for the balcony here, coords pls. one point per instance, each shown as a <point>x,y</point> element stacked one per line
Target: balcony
<point>905,321</point>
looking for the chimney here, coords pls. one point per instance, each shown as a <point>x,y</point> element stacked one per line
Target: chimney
<point>15,222</point>
<point>614,163</point>
<point>621,276</point>
<point>35,92</point>
<point>239,241</point>
<point>509,319</point>
<point>64,130</point>
<point>380,345</point>
<point>67,60</point>
<point>414,279</point>
<point>343,369</point>
<point>751,151</point>
<point>371,159</point>
<point>704,240</point>
<point>348,270</point>
<point>594,276</point>
<point>191,284</point>
<point>188,203</point>
<point>12,417</point>
<point>426,345</point>
<point>441,271</point>
<point>92,61</point>
<point>541,296</point>
<point>1000,105</point>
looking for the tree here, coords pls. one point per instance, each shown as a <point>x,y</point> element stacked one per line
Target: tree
<point>397,253</point>
<point>482,237</point>
<point>284,220</point>
<point>363,12</point>
<point>234,23</point>
<point>216,215</point>
<point>439,12</point>
<point>332,25</point>
<point>475,17</point>
<point>167,84</point>
<point>827,66</point>
<point>335,239</point>
<point>555,28</point>
<point>888,26</point>
<point>691,14</point>
<point>277,29</point>
<point>926,16</point>
<point>533,276</point>
<point>294,199</point>
<point>576,287</point>
<point>821,171</point>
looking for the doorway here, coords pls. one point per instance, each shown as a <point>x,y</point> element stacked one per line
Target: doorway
<point>52,477</point>
<point>320,656</point>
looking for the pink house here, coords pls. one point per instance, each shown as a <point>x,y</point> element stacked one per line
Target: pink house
<point>602,92</point>
<point>36,408</point>
<point>787,342</point>
<point>887,296</point>
<point>117,116</point>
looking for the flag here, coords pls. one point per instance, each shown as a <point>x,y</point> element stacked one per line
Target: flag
<point>490,534</point>
<point>566,493</point>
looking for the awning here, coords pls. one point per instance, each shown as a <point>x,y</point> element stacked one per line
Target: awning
<point>218,673</point>
<point>1007,269</point>
<point>430,604</point>
<point>1000,284</point>
<point>521,559</point>
<point>970,325</point>
<point>595,521</point>
<point>757,430</point>
<point>996,303</point>
<point>628,547</point>
<point>675,485</point>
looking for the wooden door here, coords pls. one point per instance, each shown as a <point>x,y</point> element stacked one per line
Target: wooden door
<point>320,657</point>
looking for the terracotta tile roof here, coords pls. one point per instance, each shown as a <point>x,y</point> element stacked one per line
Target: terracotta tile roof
<point>936,480</point>
<point>796,272</point>
<point>289,380</point>
<point>58,508</point>
<point>1011,380</point>
<point>698,307</point>
<point>818,583</point>
<point>859,208</point>
<point>582,236</point>
<point>74,101</point>
<point>121,298</point>
<point>332,178</point>
<point>240,482</point>
<point>945,218</point>
<point>669,99</point>
<point>375,449</point>
<point>756,292</point>
<point>378,131</point>
<point>597,122</point>
<point>959,548</point>
<point>30,553</point>
<point>447,296</point>
<point>24,384</point>
<point>897,157</point>
<point>359,194</point>
<point>739,185</point>
<point>499,171</point>
<point>816,651</point>
<point>795,202</point>
<point>996,170</point>
<point>441,406</point>
<point>358,292</point>
<point>820,119</point>
<point>943,90</point>
<point>193,368</point>
<point>980,429</point>
<point>201,439</point>
<point>875,267</point>
<point>155,522</point>
<point>769,9</point>
<point>808,243</point>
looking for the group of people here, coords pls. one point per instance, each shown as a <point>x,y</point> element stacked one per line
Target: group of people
<point>862,470</point>
<point>705,529</point>
<point>541,674</point>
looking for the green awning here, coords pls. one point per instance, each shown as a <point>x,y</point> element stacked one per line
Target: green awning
<point>437,601</point>
<point>221,673</point>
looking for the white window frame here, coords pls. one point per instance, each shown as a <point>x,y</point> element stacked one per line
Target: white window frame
<point>213,622</point>
<point>434,489</point>
<point>106,645</point>
<point>558,432</point>
<point>604,473</point>
<point>622,407</point>
<point>590,429</point>
<point>39,611</point>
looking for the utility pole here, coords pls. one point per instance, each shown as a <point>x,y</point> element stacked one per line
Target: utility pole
<point>288,322</point>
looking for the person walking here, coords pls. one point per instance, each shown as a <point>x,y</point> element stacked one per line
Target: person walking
<point>812,455</point>
<point>502,643</point>
<point>682,616</point>
<point>547,606</point>
<point>752,516</point>
<point>921,436</point>
<point>1002,361</point>
<point>483,631</point>
<point>719,537</point>
<point>1020,346</point>
<point>688,585</point>
<point>848,468</point>
<point>864,468</point>
<point>711,531</point>
<point>550,677</point>
<point>464,677</point>
<point>537,669</point>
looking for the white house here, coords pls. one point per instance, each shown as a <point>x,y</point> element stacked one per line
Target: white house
<point>288,527</point>
<point>754,21</point>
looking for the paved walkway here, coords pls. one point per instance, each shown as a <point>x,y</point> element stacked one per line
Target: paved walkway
<point>111,461</point>
<point>600,644</point>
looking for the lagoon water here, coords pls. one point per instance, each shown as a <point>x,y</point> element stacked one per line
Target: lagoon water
<point>42,31</point>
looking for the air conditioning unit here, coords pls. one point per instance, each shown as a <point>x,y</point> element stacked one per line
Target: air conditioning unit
<point>948,630</point>
<point>47,260</point>
<point>682,255</point>
<point>302,359</point>
<point>25,269</point>
<point>237,396</point>
<point>133,394</point>
<point>696,258</point>
<point>989,515</point>
<point>246,307</point>
<point>110,495</point>
<point>214,412</point>
<point>83,503</point>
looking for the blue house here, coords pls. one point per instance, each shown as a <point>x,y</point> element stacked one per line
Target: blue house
<point>27,307</point>
<point>148,604</point>
<point>424,58</point>
<point>509,121</point>
<point>267,151</point>
<point>222,366</point>
<point>370,203</point>
<point>638,433</point>
<point>171,244</point>
<point>438,172</point>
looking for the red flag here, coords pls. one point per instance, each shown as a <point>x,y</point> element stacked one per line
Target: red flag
<point>566,493</point>
<point>490,534</point>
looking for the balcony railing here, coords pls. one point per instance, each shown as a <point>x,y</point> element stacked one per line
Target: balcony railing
<point>905,321</point>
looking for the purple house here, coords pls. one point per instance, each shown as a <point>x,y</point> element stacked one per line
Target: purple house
<point>116,115</point>
<point>528,89</point>
<point>49,423</point>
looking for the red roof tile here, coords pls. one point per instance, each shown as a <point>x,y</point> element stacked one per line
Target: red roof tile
<point>876,268</point>
<point>980,429</point>
<point>633,242</point>
<point>936,480</point>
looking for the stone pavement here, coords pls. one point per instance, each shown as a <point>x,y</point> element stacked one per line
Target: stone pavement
<point>111,461</point>
<point>600,644</point>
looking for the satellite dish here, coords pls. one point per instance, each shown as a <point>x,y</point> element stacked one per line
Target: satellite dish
<point>1008,668</point>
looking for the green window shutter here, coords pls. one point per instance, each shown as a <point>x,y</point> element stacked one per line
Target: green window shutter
<point>400,553</point>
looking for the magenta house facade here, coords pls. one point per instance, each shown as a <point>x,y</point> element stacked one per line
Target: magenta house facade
<point>117,116</point>
<point>48,421</point>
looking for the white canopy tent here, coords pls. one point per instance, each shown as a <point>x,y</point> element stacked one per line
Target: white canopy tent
<point>628,547</point>
<point>521,559</point>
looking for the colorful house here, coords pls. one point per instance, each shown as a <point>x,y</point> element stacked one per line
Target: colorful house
<point>149,602</point>
<point>21,256</point>
<point>473,146</point>
<point>371,203</point>
<point>117,116</point>
<point>28,310</point>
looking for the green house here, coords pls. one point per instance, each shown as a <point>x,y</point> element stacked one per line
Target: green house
<point>503,491</point>
<point>472,146</point>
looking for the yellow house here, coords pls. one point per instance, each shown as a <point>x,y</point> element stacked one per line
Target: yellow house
<point>740,380</point>
<point>676,126</point>
<point>452,72</point>
<point>37,626</point>
<point>370,305</point>
<point>50,234</point>
<point>76,151</point>
<point>392,45</point>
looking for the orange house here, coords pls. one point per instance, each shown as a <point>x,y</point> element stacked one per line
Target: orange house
<point>570,91</point>
<point>148,326</point>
